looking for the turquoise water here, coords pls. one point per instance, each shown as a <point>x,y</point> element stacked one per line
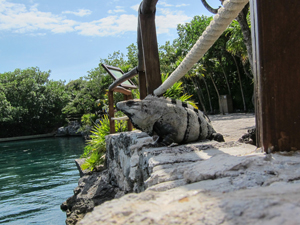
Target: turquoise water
<point>36,176</point>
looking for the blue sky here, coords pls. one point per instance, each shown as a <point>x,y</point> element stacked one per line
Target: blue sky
<point>69,37</point>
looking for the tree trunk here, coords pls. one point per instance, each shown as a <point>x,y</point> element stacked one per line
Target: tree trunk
<point>199,95</point>
<point>242,20</point>
<point>220,106</point>
<point>225,75</point>
<point>201,92</point>
<point>246,72</point>
<point>240,81</point>
<point>208,94</point>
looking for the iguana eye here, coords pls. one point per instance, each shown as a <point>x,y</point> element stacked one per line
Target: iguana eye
<point>130,103</point>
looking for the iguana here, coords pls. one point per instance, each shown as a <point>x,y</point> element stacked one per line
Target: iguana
<point>172,120</point>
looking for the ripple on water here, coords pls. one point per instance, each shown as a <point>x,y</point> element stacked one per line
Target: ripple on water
<point>36,176</point>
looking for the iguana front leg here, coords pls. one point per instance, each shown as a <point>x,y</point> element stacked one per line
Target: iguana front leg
<point>167,134</point>
<point>217,137</point>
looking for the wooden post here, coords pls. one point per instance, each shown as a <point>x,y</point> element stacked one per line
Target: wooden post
<point>111,112</point>
<point>129,124</point>
<point>149,42</point>
<point>142,84</point>
<point>141,65</point>
<point>276,47</point>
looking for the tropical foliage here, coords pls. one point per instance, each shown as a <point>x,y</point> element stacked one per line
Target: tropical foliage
<point>31,103</point>
<point>176,92</point>
<point>95,150</point>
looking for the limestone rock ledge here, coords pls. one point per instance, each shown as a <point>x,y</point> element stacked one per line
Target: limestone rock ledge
<point>92,190</point>
<point>203,182</point>
<point>193,204</point>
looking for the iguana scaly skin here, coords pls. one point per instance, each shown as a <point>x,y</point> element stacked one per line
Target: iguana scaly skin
<point>172,120</point>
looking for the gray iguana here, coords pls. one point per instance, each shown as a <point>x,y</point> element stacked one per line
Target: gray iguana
<point>172,120</point>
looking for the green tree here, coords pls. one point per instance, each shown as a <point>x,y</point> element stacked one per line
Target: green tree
<point>31,102</point>
<point>167,58</point>
<point>236,46</point>
<point>132,55</point>
<point>222,75</point>
<point>189,34</point>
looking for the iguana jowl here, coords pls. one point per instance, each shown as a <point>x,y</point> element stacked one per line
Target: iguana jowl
<point>172,120</point>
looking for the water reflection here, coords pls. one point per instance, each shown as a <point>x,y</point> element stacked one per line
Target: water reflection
<point>36,176</point>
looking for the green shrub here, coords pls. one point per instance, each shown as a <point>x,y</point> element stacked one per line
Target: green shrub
<point>87,121</point>
<point>176,92</point>
<point>96,148</point>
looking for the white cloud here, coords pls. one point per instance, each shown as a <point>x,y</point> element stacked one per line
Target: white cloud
<point>181,5</point>
<point>169,20</point>
<point>109,26</point>
<point>135,7</point>
<point>64,26</point>
<point>80,12</point>
<point>18,18</point>
<point>117,9</point>
<point>37,34</point>
<point>165,4</point>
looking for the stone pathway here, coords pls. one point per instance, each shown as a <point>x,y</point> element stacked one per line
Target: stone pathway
<point>234,125</point>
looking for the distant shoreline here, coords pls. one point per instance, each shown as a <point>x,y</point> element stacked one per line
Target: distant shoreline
<point>20,138</point>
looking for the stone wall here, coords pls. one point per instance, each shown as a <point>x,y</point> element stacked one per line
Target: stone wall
<point>126,161</point>
<point>134,168</point>
<point>202,182</point>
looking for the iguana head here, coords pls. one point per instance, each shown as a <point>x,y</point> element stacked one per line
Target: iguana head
<point>141,114</point>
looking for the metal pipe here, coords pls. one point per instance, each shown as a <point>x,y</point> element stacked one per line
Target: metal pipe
<point>125,77</point>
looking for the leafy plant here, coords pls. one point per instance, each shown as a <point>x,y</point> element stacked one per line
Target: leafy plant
<point>87,121</point>
<point>96,148</point>
<point>176,92</point>
<point>136,93</point>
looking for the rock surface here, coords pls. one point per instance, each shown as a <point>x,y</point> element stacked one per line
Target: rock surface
<point>70,130</point>
<point>204,183</point>
<point>198,183</point>
<point>92,190</point>
<point>194,204</point>
<point>134,169</point>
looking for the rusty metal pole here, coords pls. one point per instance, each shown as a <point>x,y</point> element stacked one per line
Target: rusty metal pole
<point>276,47</point>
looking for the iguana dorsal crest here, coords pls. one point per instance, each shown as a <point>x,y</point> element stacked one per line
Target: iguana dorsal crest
<point>171,120</point>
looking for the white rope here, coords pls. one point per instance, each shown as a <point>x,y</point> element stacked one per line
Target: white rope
<point>217,26</point>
